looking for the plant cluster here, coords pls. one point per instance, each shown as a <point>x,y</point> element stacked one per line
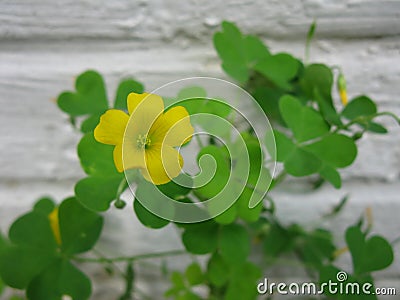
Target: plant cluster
<point>315,137</point>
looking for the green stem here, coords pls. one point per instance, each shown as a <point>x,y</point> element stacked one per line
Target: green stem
<point>116,267</point>
<point>102,260</point>
<point>111,263</point>
<point>122,187</point>
<point>129,282</point>
<point>119,203</point>
<point>310,36</point>
<point>387,113</point>
<point>365,119</point>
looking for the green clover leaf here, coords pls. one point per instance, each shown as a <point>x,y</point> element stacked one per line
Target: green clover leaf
<point>329,274</point>
<point>243,287</point>
<point>147,218</point>
<point>361,111</point>
<point>217,270</point>
<point>316,83</point>
<point>80,228</point>
<point>90,96</point>
<point>234,244</point>
<point>314,149</point>
<point>201,238</point>
<point>372,254</point>
<point>194,274</point>
<point>304,121</point>
<point>58,279</point>
<point>239,53</point>
<point>99,189</point>
<point>34,260</point>
<point>280,68</point>
<point>361,106</point>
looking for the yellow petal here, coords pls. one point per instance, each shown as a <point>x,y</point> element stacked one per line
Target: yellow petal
<point>111,128</point>
<point>163,163</point>
<point>144,110</point>
<point>173,128</point>
<point>134,100</point>
<point>118,157</point>
<point>54,224</point>
<point>132,156</point>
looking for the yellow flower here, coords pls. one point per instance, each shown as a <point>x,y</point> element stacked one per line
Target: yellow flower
<point>55,226</point>
<point>147,137</point>
<point>341,84</point>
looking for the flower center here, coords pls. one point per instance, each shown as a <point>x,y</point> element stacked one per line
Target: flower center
<point>143,141</point>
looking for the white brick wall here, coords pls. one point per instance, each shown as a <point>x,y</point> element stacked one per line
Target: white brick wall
<point>44,45</point>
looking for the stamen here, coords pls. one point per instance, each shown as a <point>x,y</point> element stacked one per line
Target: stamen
<point>143,141</point>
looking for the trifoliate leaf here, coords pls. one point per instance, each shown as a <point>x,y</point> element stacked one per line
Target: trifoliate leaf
<point>369,254</point>
<point>302,163</point>
<point>280,68</point>
<point>19,265</point>
<point>304,121</point>
<point>217,270</point>
<point>33,230</point>
<point>60,278</point>
<point>234,244</point>
<point>79,227</point>
<point>89,97</point>
<point>238,53</point>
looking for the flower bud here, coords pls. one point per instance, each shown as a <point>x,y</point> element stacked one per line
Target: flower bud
<point>341,85</point>
<point>55,226</point>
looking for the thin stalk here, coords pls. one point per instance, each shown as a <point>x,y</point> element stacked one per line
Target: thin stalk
<point>310,36</point>
<point>129,258</point>
<point>119,203</point>
<point>111,263</point>
<point>365,119</point>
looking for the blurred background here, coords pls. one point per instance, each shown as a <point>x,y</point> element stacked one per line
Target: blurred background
<point>45,44</point>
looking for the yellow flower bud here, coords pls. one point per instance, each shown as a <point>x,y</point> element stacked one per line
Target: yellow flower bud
<point>341,85</point>
<point>55,226</point>
<point>343,97</point>
<point>340,251</point>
